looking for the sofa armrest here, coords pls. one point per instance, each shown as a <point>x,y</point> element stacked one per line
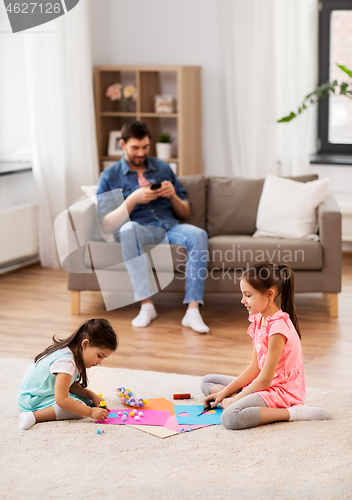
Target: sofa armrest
<point>329,220</point>
<point>85,220</point>
<point>84,225</point>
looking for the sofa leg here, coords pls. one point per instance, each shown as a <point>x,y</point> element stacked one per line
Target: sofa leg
<point>334,311</point>
<point>75,303</point>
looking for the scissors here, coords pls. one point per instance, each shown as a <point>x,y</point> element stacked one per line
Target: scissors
<point>207,408</point>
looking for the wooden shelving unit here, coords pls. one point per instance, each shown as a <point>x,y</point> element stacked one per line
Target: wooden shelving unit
<point>183,82</point>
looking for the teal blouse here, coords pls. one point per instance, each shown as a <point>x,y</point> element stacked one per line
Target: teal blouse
<point>37,389</point>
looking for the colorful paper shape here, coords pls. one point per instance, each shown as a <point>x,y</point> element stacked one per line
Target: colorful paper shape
<point>171,428</point>
<point>154,430</point>
<point>150,417</point>
<point>173,425</point>
<point>162,404</point>
<point>211,417</point>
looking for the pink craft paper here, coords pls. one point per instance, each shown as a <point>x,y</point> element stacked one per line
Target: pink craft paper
<point>174,426</point>
<point>150,417</point>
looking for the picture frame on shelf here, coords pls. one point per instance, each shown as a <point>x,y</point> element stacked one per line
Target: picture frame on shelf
<point>164,104</point>
<point>114,146</point>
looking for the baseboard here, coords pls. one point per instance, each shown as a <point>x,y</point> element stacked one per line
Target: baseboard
<point>17,264</point>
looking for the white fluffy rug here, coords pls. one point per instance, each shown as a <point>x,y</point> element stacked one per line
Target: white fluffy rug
<point>68,460</point>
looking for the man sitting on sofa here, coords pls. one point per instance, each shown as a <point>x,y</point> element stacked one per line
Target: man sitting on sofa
<point>148,210</point>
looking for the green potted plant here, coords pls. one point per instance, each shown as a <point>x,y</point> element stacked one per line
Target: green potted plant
<point>321,92</point>
<point>164,146</point>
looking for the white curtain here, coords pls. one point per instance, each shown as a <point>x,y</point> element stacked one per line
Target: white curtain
<point>60,87</point>
<point>270,53</point>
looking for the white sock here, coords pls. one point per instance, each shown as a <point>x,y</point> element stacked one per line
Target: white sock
<point>305,412</point>
<point>145,316</point>
<point>193,319</point>
<point>27,420</point>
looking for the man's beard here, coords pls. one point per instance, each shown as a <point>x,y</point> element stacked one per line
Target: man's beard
<point>138,163</point>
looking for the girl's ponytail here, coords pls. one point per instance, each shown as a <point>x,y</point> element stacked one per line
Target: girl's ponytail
<point>266,275</point>
<point>288,295</point>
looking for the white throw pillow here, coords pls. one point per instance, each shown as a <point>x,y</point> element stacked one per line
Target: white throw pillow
<point>287,208</point>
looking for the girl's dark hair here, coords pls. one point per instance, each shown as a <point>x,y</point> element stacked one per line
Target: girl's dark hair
<point>267,275</point>
<point>98,331</point>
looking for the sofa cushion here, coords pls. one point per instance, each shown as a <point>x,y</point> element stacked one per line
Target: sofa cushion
<point>196,187</point>
<point>225,252</point>
<point>107,255</point>
<point>229,252</point>
<point>232,204</point>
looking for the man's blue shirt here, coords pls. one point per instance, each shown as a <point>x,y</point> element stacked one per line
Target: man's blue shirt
<point>157,212</point>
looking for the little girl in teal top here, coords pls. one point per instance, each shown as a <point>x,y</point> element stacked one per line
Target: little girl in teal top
<point>55,385</point>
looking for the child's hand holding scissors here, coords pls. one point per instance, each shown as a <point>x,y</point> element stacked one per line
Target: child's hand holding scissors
<point>212,401</point>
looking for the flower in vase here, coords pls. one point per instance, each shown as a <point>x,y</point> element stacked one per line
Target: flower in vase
<point>130,91</point>
<point>114,92</point>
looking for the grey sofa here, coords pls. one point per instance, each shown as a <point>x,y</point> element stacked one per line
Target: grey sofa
<point>226,208</point>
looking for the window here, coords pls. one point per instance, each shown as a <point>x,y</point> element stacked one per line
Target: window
<point>335,46</point>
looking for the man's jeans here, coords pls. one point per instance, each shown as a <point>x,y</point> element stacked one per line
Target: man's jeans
<point>133,236</point>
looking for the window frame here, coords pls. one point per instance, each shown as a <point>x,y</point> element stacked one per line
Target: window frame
<point>325,9</point>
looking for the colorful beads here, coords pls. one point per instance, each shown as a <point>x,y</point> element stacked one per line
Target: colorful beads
<point>126,397</point>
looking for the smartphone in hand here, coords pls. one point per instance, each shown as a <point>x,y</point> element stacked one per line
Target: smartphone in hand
<point>155,186</point>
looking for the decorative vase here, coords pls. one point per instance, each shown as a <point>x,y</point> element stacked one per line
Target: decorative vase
<point>163,150</point>
<point>122,105</point>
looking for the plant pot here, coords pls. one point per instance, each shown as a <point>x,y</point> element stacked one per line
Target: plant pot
<point>163,150</point>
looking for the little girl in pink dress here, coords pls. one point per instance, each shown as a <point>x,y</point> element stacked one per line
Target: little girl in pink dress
<point>272,388</point>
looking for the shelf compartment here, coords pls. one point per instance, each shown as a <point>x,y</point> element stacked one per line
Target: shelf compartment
<point>109,77</point>
<point>154,83</point>
<point>110,123</point>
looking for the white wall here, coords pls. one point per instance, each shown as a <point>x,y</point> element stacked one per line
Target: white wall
<point>181,32</point>
<point>340,177</point>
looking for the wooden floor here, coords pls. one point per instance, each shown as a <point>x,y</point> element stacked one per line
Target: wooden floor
<point>35,304</point>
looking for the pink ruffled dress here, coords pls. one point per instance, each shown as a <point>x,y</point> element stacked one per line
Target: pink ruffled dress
<point>288,387</point>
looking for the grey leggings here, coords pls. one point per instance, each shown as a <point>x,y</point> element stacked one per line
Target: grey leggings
<point>62,414</point>
<point>241,414</point>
